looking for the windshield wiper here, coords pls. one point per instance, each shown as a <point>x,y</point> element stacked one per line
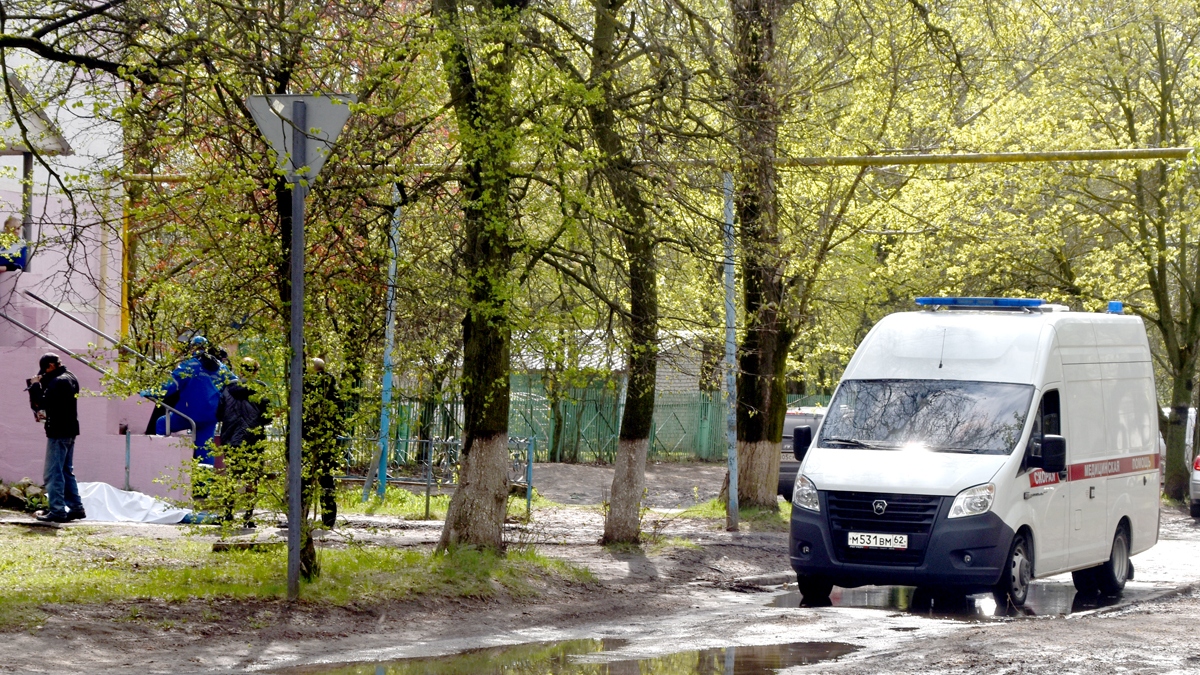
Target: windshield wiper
<point>962,450</point>
<point>850,442</point>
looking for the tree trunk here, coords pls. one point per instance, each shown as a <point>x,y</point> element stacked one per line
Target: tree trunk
<point>623,520</point>
<point>622,523</point>
<point>762,401</point>
<point>480,90</point>
<point>476,514</point>
<point>1176,473</point>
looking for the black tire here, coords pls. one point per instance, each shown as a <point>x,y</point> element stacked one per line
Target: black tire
<point>1017,572</point>
<point>1112,575</point>
<point>1085,581</point>
<point>814,590</point>
<point>1196,509</point>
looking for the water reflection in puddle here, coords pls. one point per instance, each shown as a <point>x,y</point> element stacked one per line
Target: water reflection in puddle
<point>1045,599</point>
<point>592,657</point>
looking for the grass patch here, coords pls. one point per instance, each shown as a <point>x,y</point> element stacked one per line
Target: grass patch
<point>754,519</point>
<point>397,501</point>
<point>402,503</point>
<point>84,565</point>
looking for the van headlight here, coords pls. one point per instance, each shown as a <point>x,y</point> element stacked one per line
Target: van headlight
<point>804,494</point>
<point>973,501</point>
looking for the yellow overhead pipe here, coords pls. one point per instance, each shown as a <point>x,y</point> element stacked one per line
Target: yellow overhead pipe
<point>845,160</point>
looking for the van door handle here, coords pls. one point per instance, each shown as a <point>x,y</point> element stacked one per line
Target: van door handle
<point>1029,495</point>
<point>1092,492</point>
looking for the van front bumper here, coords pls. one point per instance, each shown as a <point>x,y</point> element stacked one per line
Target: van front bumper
<point>984,540</point>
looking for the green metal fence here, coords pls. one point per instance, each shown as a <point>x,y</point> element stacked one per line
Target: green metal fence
<point>798,401</point>
<point>575,424</point>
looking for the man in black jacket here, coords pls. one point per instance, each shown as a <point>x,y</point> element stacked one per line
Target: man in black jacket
<point>243,414</point>
<point>52,395</point>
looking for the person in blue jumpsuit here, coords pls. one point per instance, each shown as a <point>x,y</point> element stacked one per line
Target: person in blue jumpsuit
<point>199,381</point>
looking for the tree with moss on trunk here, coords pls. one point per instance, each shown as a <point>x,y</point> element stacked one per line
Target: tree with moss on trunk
<point>478,56</point>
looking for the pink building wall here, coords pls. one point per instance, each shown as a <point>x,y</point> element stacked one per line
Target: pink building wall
<point>87,284</point>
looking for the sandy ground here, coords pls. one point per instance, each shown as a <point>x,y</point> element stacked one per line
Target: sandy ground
<point>668,485</point>
<point>660,599</point>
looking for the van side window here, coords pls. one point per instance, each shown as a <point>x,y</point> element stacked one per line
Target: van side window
<point>1047,421</point>
<point>1048,411</point>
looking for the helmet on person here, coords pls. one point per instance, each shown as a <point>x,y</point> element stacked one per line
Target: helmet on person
<point>199,341</point>
<point>249,365</point>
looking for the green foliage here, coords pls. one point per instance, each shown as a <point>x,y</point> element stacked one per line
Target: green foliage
<point>84,565</point>
<point>526,159</point>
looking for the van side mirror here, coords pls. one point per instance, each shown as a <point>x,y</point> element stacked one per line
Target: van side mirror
<point>1054,453</point>
<point>801,439</point>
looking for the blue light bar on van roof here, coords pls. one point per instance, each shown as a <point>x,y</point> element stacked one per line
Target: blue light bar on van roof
<point>980,302</point>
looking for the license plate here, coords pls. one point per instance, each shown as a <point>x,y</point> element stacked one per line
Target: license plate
<point>868,540</point>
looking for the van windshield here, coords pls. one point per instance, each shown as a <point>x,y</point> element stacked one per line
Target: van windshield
<point>936,415</point>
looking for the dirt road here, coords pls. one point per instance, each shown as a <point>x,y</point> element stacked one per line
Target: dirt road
<point>686,593</point>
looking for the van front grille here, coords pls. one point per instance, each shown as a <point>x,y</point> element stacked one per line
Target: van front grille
<point>913,515</point>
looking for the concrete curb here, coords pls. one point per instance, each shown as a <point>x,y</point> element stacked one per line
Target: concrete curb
<point>768,579</point>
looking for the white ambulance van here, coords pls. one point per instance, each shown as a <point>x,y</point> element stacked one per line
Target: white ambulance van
<point>979,444</point>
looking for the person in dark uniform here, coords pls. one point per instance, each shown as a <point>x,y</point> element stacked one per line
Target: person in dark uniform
<point>243,414</point>
<point>53,394</point>
<point>322,425</point>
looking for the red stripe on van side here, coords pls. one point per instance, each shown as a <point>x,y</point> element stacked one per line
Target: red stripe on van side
<point>1113,467</point>
<point>1108,467</point>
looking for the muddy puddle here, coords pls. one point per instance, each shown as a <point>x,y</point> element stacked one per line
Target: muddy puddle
<point>596,657</point>
<point>1048,598</point>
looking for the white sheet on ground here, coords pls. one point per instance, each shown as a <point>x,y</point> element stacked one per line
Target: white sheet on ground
<point>103,502</point>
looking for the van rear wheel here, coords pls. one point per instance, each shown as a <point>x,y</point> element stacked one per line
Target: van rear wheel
<point>1196,509</point>
<point>1018,571</point>
<point>1112,575</point>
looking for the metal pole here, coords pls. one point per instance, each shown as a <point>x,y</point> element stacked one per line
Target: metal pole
<point>87,362</point>
<point>1103,155</point>
<point>89,327</point>
<point>27,207</point>
<point>529,479</point>
<point>991,157</point>
<point>371,465</point>
<point>731,513</point>
<point>389,340</point>
<point>428,476</point>
<point>127,459</point>
<point>296,369</point>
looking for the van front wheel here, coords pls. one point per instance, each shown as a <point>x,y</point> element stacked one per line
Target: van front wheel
<point>1018,571</point>
<point>1111,576</point>
<point>814,591</point>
